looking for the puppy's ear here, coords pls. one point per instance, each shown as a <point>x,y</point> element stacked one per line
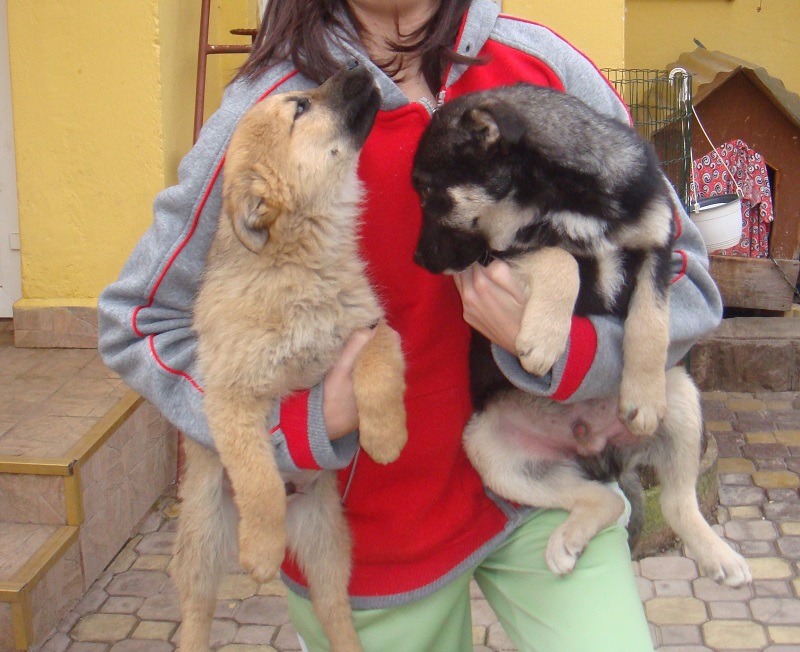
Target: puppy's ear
<point>489,124</point>
<point>250,228</point>
<point>251,212</point>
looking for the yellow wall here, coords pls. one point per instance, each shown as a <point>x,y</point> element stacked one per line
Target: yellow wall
<point>87,129</point>
<point>659,30</point>
<point>103,96</point>
<point>178,33</point>
<point>596,27</point>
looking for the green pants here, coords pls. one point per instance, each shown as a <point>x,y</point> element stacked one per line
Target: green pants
<point>594,609</point>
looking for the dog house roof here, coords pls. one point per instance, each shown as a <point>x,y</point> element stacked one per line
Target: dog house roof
<point>711,69</point>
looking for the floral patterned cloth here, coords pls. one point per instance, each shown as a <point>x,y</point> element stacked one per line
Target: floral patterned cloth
<point>750,171</point>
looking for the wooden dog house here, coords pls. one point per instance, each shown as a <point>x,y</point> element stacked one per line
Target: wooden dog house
<point>736,99</point>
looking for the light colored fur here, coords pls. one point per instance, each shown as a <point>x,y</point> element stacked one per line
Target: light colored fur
<point>547,316</point>
<point>283,290</point>
<point>674,451</point>
<point>547,320</point>
<point>473,208</point>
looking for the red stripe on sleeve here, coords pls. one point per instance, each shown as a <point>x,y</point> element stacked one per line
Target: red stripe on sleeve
<point>294,424</point>
<point>685,262</point>
<point>166,367</point>
<point>582,349</point>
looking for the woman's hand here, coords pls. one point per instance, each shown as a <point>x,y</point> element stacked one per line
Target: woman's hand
<point>338,398</point>
<point>493,302</point>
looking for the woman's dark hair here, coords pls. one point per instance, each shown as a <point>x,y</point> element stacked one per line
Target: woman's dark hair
<point>299,30</point>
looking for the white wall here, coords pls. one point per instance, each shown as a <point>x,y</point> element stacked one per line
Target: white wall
<point>10,274</point>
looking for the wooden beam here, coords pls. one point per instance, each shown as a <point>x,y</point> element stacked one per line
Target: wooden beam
<point>755,283</point>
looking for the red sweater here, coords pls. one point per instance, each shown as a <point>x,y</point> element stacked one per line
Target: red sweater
<point>418,519</point>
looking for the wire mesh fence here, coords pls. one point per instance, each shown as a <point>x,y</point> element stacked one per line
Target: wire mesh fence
<point>660,103</point>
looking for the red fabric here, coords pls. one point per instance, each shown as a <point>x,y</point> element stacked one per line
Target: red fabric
<point>582,348</point>
<point>294,425</point>
<point>507,67</point>
<point>557,35</point>
<point>750,173</point>
<point>416,519</point>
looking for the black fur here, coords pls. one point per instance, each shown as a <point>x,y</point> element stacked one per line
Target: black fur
<point>547,153</point>
<point>553,155</point>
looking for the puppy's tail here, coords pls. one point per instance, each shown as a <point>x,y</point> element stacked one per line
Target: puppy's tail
<point>631,485</point>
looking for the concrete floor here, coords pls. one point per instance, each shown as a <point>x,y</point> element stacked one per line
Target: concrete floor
<point>133,606</point>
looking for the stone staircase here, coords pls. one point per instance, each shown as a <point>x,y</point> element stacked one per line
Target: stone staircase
<point>82,461</point>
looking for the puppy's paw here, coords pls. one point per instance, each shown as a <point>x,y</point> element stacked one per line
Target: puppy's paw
<point>383,445</point>
<point>382,430</point>
<point>539,351</point>
<point>261,552</point>
<point>642,421</point>
<point>642,409</point>
<point>563,550</point>
<point>724,565</point>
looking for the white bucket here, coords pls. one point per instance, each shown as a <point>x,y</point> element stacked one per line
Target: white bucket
<point>719,220</point>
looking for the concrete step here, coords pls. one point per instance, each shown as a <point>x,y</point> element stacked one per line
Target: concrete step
<point>82,460</point>
<point>40,581</point>
<point>749,354</point>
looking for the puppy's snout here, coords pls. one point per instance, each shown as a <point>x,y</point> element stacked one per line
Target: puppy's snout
<point>419,258</point>
<point>350,83</point>
<point>358,82</point>
<point>427,255</point>
<point>356,100</point>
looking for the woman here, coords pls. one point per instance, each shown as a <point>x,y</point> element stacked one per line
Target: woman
<point>424,525</point>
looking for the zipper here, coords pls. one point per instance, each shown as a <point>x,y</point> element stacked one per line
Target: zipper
<point>442,94</point>
<point>431,107</point>
<point>350,477</point>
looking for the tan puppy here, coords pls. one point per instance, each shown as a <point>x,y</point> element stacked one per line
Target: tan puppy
<point>283,290</point>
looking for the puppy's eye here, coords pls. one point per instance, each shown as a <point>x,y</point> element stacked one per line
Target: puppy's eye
<point>302,106</point>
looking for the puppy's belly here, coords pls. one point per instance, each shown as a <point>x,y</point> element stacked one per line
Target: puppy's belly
<point>549,430</point>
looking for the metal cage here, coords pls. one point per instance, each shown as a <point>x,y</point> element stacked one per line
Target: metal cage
<point>660,103</point>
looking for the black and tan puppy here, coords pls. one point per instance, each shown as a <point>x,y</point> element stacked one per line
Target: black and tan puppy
<point>574,201</point>
<point>283,289</point>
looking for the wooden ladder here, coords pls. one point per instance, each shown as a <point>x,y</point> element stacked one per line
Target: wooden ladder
<point>204,50</point>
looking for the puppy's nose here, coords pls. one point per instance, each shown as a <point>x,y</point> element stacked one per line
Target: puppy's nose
<point>358,82</point>
<point>421,259</point>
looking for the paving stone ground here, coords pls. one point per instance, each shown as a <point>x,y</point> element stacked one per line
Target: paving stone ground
<point>133,606</point>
